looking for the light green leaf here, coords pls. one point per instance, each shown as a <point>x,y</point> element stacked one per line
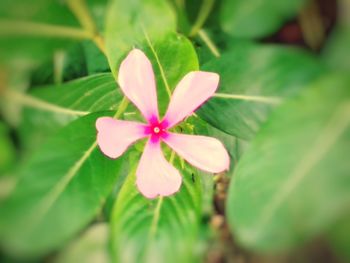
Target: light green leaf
<point>46,109</point>
<point>293,181</point>
<point>61,188</point>
<point>91,247</point>
<point>31,30</point>
<point>135,24</point>
<point>256,18</point>
<point>160,230</point>
<point>253,80</point>
<point>172,58</point>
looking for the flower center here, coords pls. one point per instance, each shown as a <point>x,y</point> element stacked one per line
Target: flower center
<point>157,130</point>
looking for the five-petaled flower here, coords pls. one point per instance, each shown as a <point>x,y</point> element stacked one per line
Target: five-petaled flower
<point>155,176</point>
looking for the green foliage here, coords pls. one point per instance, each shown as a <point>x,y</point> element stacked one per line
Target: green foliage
<point>7,150</point>
<point>256,18</point>
<point>293,191</point>
<point>52,107</point>
<point>135,23</point>
<point>253,80</point>
<point>281,112</point>
<point>140,227</point>
<point>31,31</point>
<point>61,189</point>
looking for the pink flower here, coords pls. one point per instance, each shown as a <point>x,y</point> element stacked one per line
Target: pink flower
<point>155,175</point>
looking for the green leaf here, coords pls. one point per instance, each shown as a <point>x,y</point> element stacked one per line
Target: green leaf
<point>233,145</point>
<point>136,24</point>
<point>159,230</point>
<point>7,150</point>
<point>293,181</point>
<point>49,108</point>
<point>253,80</point>
<point>96,61</point>
<point>91,247</point>
<point>31,30</point>
<point>337,46</point>
<point>133,24</point>
<point>256,18</point>
<point>61,188</point>
<point>339,237</point>
<point>172,58</point>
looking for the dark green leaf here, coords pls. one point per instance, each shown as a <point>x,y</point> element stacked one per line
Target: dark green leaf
<point>335,49</point>
<point>256,18</point>
<point>293,181</point>
<point>61,188</point>
<point>7,150</point>
<point>253,80</point>
<point>339,237</point>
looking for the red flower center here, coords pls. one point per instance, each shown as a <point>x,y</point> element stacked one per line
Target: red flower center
<point>157,130</point>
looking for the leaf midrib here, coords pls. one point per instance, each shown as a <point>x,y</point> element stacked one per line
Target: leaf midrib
<point>337,124</point>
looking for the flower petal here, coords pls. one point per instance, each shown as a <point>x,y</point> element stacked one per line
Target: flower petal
<point>115,136</point>
<point>155,175</point>
<point>205,153</point>
<point>136,79</point>
<point>191,92</point>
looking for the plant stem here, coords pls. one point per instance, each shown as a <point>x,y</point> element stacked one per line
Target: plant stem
<point>25,28</point>
<point>122,107</point>
<point>81,12</point>
<point>202,16</point>
<point>211,45</point>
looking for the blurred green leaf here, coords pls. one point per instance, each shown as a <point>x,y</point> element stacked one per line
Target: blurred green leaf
<point>253,80</point>
<point>91,247</point>
<point>61,188</point>
<point>7,150</point>
<point>256,18</point>
<point>336,51</point>
<point>339,237</point>
<point>159,230</point>
<point>293,181</point>
<point>31,30</point>
<point>46,109</point>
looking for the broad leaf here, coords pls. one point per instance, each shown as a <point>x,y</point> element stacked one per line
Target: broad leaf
<point>31,30</point>
<point>136,24</point>
<point>133,24</point>
<point>159,230</point>
<point>293,181</point>
<point>48,108</point>
<point>256,18</point>
<point>61,188</point>
<point>253,80</point>
<point>91,247</point>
